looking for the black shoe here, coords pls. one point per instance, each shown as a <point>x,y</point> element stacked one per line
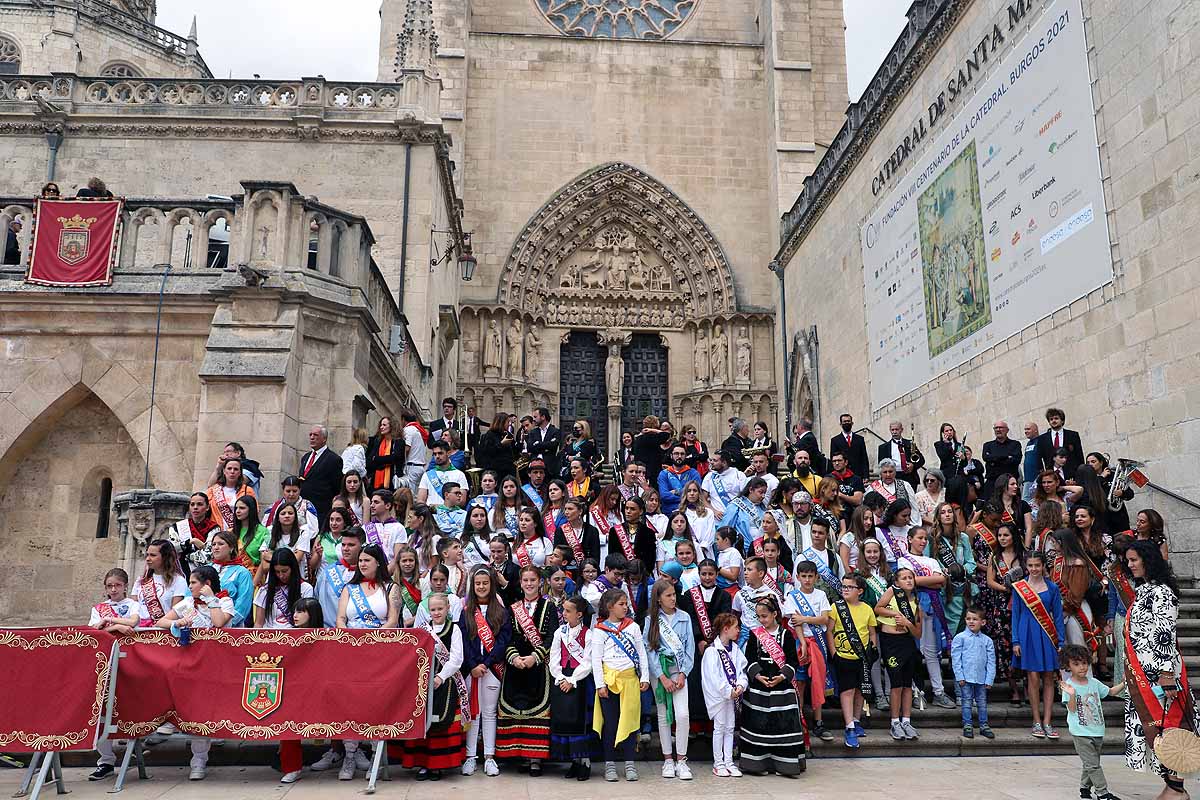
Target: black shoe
<point>422,774</point>
<point>1106,796</point>
<point>1085,793</point>
<point>102,772</point>
<point>968,733</point>
<point>986,732</point>
<point>535,769</point>
<point>572,771</point>
<point>435,774</point>
<point>585,772</point>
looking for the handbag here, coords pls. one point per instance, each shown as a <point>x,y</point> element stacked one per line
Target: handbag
<point>1178,749</point>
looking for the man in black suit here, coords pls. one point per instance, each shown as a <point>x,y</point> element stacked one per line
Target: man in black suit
<point>321,469</point>
<point>899,449</point>
<point>806,440</point>
<point>853,446</point>
<point>738,440</point>
<point>1002,456</point>
<point>1059,437</point>
<point>448,422</point>
<point>543,440</point>
<point>474,428</point>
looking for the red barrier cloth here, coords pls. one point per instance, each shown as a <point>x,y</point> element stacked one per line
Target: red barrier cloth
<point>277,684</point>
<point>75,242</point>
<point>53,685</point>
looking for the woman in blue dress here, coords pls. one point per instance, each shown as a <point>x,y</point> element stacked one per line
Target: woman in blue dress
<point>1036,611</point>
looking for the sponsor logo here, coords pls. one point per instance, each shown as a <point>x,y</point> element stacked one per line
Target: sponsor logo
<point>1020,126</point>
<point>996,254</point>
<point>1027,254</point>
<point>995,228</point>
<point>872,235</point>
<point>1056,146</point>
<point>992,152</point>
<point>1016,237</point>
<point>1016,212</point>
<point>988,181</point>
<point>1038,191</point>
<point>1066,201</point>
<point>992,203</point>
<point>1025,173</point>
<point>1044,100</point>
<point>1073,225</point>
<point>1014,157</point>
<point>1050,123</point>
<point>1032,226</point>
<point>1053,209</point>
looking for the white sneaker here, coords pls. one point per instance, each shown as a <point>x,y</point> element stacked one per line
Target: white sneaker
<point>468,767</point>
<point>668,769</point>
<point>720,771</point>
<point>734,772</point>
<point>346,773</point>
<point>291,777</point>
<point>197,774</point>
<point>490,767</point>
<point>362,760</point>
<point>330,758</point>
<point>682,771</point>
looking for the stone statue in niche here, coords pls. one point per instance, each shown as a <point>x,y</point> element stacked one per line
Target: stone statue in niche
<point>637,270</point>
<point>572,277</point>
<point>515,340</point>
<point>743,348</point>
<point>700,358</point>
<point>614,375</point>
<point>618,276</point>
<point>492,350</point>
<point>720,356</point>
<point>660,279</point>
<point>533,352</point>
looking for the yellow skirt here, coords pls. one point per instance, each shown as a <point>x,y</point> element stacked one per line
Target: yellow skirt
<point>624,683</point>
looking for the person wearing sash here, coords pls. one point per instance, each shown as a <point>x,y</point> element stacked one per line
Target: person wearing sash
<point>275,603</point>
<point>581,486</point>
<point>577,534</point>
<point>891,487</point>
<point>1120,596</point>
<point>251,534</point>
<point>807,610</point>
<point>723,682</point>
<point>116,613</point>
<point>674,478</point>
<point>423,535</point>
<point>486,630</point>
<point>353,498</point>
<point>936,633</point>
<point>235,579</point>
<point>327,548</point>
<point>605,514</point>
<point>504,515</point>
<point>162,585</point>
<point>191,534</point>
<point>875,571</point>
<point>552,511</point>
<point>532,543</point>
<point>677,530</point>
<point>507,572</point>
<point>850,544</point>
<point>1097,547</point>
<point>827,503</point>
<point>332,578</point>
<point>1006,496</point>
<point>1072,570</point>
<point>1037,632</point>
<point>774,523</point>
<point>1159,689</point>
<point>702,520</point>
<point>369,601</point>
<point>671,656</point>
<point>892,531</point>
<point>442,472</point>
<point>307,614</point>
<point>722,483</point>
<point>730,562</point>
<point>854,630</point>
<point>1049,519</point>
<point>285,532</point>
<point>224,492</point>
<point>289,489</point>
<point>1006,565</point>
<point>382,529</point>
<point>775,576</point>
<point>442,746</point>
<point>523,725</point>
<point>654,516</point>
<point>385,456</point>
<point>613,577</point>
<point>573,690</point>
<point>451,515</point>
<point>489,482</point>
<point>535,492</point>
<point>772,731</point>
<point>900,622</point>
<point>829,566</point>
<point>954,551</point>
<point>476,537</point>
<point>748,595</point>
<point>635,538</point>
<point>1149,526</point>
<point>702,603</point>
<point>689,568</point>
<point>983,541</point>
<point>745,513</point>
<point>620,667</point>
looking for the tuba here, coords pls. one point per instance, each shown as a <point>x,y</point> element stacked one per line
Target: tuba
<point>1127,471</point>
<point>474,476</point>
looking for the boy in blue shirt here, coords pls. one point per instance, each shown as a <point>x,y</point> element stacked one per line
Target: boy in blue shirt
<point>1085,718</point>
<point>973,656</point>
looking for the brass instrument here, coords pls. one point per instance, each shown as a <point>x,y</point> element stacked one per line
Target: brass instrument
<point>521,463</point>
<point>917,455</point>
<point>750,452</point>
<point>475,476</point>
<point>1126,467</point>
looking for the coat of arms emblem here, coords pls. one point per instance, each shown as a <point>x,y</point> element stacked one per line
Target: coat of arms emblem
<point>74,238</point>
<point>262,690</point>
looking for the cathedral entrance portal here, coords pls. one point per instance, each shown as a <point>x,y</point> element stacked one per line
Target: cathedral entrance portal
<point>582,392</point>
<point>645,383</point>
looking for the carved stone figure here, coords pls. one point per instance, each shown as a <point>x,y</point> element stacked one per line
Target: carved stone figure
<point>614,374</point>
<point>618,276</point>
<point>593,275</point>
<point>720,356</point>
<point>572,277</point>
<point>637,270</point>
<point>493,350</point>
<point>701,362</point>
<point>514,349</point>
<point>533,352</point>
<point>470,353</point>
<point>743,348</point>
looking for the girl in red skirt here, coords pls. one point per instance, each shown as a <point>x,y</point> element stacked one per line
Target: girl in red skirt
<point>444,744</point>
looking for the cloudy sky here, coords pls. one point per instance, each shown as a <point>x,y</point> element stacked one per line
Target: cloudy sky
<point>299,38</point>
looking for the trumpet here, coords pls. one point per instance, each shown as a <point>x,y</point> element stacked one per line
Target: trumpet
<point>1127,471</point>
<point>750,452</point>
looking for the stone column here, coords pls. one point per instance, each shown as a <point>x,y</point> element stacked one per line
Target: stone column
<point>143,515</point>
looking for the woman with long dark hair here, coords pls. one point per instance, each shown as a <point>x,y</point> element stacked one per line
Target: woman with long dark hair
<point>498,448</point>
<point>504,515</point>
<point>523,713</point>
<point>385,455</point>
<point>354,499</point>
<point>1006,496</point>
<point>1149,526</point>
<point>275,603</point>
<point>1071,569</point>
<point>486,631</point>
<point>1159,694</point>
<point>162,584</point>
<point>1006,565</point>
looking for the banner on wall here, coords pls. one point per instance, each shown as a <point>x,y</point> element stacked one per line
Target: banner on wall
<point>75,242</point>
<point>999,223</point>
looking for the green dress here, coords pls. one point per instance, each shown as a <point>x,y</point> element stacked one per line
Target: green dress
<point>251,551</point>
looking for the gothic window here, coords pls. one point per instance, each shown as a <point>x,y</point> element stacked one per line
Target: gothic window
<point>102,508</point>
<point>10,57</point>
<point>617,19</point>
<point>119,69</point>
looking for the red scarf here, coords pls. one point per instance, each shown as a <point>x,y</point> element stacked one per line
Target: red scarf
<point>420,429</point>
<point>201,533</point>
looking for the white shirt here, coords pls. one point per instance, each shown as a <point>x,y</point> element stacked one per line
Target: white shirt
<point>717,689</point>
<point>900,536</point>
<point>122,608</point>
<point>930,564</point>
<point>354,459</point>
<point>273,620</point>
<point>605,650</point>
<point>744,600</point>
<point>732,481</point>
<point>165,593</point>
<point>446,476</point>
<point>203,618</point>
<point>730,557</point>
<point>557,646</point>
<point>311,458</point>
<point>418,452</point>
<point>447,424</point>
<point>421,618</point>
<point>704,529</point>
<point>819,602</point>
<point>454,663</point>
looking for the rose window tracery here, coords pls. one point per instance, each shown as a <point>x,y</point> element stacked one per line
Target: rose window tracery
<point>617,19</point>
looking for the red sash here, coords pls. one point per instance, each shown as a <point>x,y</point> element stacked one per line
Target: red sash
<point>382,479</point>
<point>605,526</point>
<point>706,627</point>
<point>105,611</point>
<point>1042,537</point>
<point>150,599</point>
<point>772,584</point>
<point>548,521</point>
<point>1037,608</point>
<point>573,539</point>
<point>216,499</point>
<point>626,543</point>
<point>768,643</point>
<point>757,547</point>
<point>985,533</point>
<point>525,621</point>
<point>1155,719</point>
<point>522,554</point>
<point>488,640</point>
<point>1124,587</point>
<point>1006,517</point>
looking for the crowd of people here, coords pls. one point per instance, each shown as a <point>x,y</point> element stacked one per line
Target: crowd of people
<point>740,593</point>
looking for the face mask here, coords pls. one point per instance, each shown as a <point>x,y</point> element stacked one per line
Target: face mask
<point>846,426</point>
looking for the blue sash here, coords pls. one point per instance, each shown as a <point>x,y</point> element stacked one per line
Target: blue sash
<point>488,501</point>
<point>435,481</point>
<point>450,520</point>
<point>719,485</point>
<point>534,496</point>
<point>333,574</point>
<point>823,570</point>
<point>511,516</point>
<point>363,607</point>
<point>622,641</point>
<point>807,610</point>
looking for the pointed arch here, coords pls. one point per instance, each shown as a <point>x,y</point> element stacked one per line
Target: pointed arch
<point>617,195</point>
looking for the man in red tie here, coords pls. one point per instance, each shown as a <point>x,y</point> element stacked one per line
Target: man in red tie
<point>1058,437</point>
<point>321,469</point>
<point>852,445</point>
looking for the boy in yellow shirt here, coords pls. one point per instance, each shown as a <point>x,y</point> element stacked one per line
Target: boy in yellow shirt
<point>854,628</point>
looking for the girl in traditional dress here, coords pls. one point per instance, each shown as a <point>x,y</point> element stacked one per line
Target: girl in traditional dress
<point>476,538</point>
<point>523,729</point>
<point>577,534</point>
<point>605,515</point>
<point>1005,566</point>
<point>700,518</point>
<point>407,574</point>
<point>878,575</point>
<point>1121,593</point>
<point>354,498</point>
<point>1006,495</point>
<point>285,532</point>
<point>117,611</point>
<point>723,678</point>
<point>1049,519</point>
<point>900,625</point>
<point>532,542</point>
<point>235,578</point>
<point>892,531</point>
<point>251,534</point>
<point>504,515</point>
<point>442,747</point>
<point>327,548</point>
<point>572,691</point>
<point>581,486</point>
<point>162,584</point>
<point>654,516</point>
<point>1037,633</point>
<point>307,614</point>
<point>486,629</point>
<point>1072,571</point>
<point>828,504</point>
<point>438,582</point>
<point>703,603</point>
<point>621,670</point>
<point>952,549</point>
<point>772,732</point>
<point>678,530</point>
<point>275,603</point>
<point>552,510</point>
<point>671,652</point>
<point>229,486</point>
<point>641,539</point>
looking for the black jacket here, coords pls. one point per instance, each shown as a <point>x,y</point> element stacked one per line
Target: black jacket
<point>1000,459</point>
<point>808,442</point>
<point>916,462</point>
<point>545,445</point>
<point>855,452</point>
<point>1073,445</point>
<point>589,538</point>
<point>491,453</point>
<point>322,482</point>
<point>733,447</point>
<point>395,460</point>
<point>948,461</point>
<point>647,448</point>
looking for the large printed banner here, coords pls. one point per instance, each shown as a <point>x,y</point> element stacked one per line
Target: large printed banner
<point>53,687</point>
<point>1000,221</point>
<point>75,242</point>
<point>276,684</point>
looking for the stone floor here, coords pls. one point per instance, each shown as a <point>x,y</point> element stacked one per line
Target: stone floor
<point>1002,778</point>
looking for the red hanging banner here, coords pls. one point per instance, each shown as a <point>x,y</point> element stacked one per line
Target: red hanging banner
<point>75,242</point>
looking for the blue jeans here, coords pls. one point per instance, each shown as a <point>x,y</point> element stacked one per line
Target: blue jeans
<point>976,692</point>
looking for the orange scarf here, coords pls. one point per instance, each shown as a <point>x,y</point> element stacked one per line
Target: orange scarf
<point>383,476</point>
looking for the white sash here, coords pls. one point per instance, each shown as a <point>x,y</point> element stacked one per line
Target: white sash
<point>670,638</point>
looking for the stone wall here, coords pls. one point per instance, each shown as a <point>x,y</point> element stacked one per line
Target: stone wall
<point>1122,361</point>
